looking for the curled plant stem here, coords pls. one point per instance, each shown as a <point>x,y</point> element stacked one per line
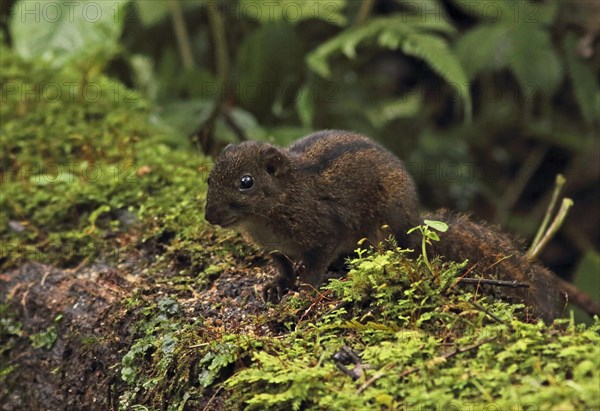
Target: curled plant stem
<point>558,185</point>
<point>536,248</point>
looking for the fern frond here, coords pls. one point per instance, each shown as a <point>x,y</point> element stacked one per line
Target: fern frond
<point>436,53</point>
<point>414,35</point>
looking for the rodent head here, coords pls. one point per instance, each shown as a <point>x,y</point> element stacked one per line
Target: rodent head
<point>242,182</point>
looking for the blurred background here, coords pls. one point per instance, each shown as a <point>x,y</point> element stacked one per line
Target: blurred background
<point>485,101</point>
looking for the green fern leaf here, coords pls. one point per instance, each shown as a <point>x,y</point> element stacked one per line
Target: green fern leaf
<point>414,35</point>
<point>436,53</point>
<point>525,49</point>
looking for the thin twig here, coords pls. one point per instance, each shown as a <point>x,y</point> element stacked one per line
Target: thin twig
<point>500,283</point>
<point>377,376</point>
<point>514,191</point>
<point>552,230</point>
<point>558,185</point>
<point>206,407</point>
<point>183,39</point>
<point>463,276</point>
<point>198,345</point>
<point>487,312</point>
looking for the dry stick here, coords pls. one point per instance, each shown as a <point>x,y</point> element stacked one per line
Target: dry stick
<point>558,185</point>
<point>537,247</point>
<point>501,283</point>
<point>206,407</point>
<point>380,374</point>
<point>183,39</point>
<point>487,312</point>
<point>435,360</point>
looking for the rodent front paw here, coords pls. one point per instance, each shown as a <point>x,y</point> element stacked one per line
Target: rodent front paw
<point>275,290</point>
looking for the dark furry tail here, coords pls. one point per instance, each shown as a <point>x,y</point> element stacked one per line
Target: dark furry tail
<point>495,255</point>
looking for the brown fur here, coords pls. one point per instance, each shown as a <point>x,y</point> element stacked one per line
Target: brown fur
<point>312,201</point>
<point>498,256</point>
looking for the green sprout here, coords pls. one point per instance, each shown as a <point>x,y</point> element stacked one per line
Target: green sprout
<point>428,235</point>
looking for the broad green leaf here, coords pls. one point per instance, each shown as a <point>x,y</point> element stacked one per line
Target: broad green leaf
<point>60,32</point>
<point>294,11</point>
<point>544,12</point>
<point>438,225</point>
<point>484,47</point>
<point>583,79</point>
<point>432,235</point>
<point>268,67</point>
<point>151,12</point>
<point>533,60</point>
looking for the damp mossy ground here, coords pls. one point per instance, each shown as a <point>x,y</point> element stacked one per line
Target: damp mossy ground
<point>92,178</point>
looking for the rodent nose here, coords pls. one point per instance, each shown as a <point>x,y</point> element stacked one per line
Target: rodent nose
<point>210,214</point>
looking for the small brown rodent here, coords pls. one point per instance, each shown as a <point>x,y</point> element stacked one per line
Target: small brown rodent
<point>312,201</point>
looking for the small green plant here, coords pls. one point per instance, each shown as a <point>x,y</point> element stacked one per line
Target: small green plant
<point>428,235</point>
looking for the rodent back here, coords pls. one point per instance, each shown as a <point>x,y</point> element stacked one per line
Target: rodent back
<point>331,184</point>
<point>363,184</point>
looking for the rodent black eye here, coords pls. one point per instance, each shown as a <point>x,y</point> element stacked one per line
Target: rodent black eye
<point>246,182</point>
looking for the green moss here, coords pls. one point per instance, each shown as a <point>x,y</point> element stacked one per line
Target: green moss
<point>79,169</point>
<point>419,342</point>
<point>422,347</point>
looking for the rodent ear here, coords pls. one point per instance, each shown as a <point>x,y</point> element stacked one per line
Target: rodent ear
<point>275,160</point>
<point>227,148</point>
